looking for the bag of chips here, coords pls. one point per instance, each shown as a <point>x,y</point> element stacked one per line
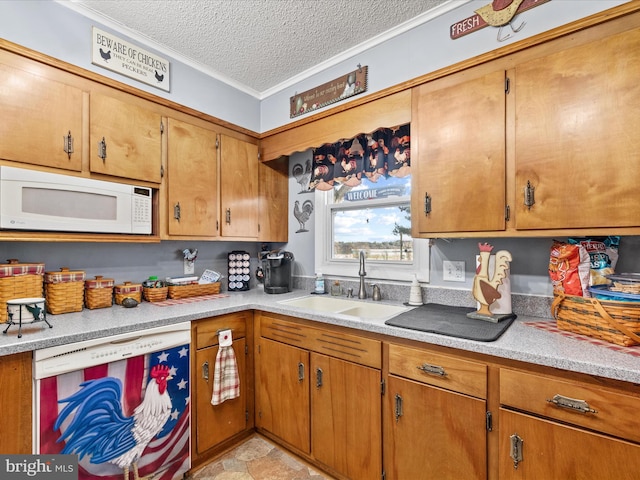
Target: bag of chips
<point>603,256</point>
<point>569,268</point>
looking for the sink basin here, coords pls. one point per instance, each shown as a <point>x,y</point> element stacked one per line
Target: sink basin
<point>353,308</point>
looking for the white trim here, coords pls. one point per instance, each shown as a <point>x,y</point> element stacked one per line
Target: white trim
<point>349,268</point>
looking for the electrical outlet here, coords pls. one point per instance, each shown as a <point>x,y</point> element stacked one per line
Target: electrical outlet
<point>189,267</point>
<point>453,271</point>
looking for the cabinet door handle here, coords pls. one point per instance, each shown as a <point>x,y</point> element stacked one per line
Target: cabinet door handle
<point>319,377</point>
<point>398,409</point>
<point>433,370</point>
<point>529,195</point>
<point>516,449</point>
<point>571,404</point>
<point>300,372</point>
<point>205,371</point>
<point>176,211</point>
<point>102,149</point>
<point>228,216</point>
<point>427,203</point>
<point>68,144</point>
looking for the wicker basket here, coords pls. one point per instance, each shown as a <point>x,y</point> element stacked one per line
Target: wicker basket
<point>98,293</point>
<point>155,294</point>
<point>64,291</point>
<point>127,290</point>
<point>193,290</point>
<point>19,280</point>
<point>610,320</point>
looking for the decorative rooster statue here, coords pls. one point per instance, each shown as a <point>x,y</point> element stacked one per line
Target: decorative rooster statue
<point>485,289</point>
<point>99,427</point>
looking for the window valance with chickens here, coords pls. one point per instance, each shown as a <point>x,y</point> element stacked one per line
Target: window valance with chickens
<point>367,157</point>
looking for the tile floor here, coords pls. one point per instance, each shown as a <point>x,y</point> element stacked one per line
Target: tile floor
<point>257,459</point>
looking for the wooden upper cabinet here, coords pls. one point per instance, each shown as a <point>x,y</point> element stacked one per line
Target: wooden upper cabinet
<point>274,200</point>
<point>238,187</point>
<point>576,136</point>
<point>38,114</point>
<point>458,150</point>
<point>132,136</point>
<point>192,171</point>
<point>381,113</point>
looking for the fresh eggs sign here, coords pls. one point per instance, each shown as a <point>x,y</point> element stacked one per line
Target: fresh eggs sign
<point>122,57</point>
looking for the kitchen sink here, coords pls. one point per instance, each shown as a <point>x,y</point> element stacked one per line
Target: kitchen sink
<point>361,310</point>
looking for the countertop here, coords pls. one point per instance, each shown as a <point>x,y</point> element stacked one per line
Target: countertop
<point>520,342</point>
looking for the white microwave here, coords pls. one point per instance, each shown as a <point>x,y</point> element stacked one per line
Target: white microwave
<point>35,200</point>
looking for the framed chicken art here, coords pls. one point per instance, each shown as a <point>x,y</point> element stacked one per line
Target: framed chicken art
<point>127,419</point>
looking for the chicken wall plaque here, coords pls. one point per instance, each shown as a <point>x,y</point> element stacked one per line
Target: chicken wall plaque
<point>486,282</point>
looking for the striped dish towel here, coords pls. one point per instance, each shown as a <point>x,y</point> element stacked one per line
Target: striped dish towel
<point>226,381</point>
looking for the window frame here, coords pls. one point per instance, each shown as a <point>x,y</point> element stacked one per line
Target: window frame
<point>349,268</point>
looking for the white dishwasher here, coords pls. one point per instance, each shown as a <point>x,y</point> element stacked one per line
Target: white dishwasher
<point>120,403</point>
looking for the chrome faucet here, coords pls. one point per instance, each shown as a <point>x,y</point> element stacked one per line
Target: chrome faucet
<point>362,293</point>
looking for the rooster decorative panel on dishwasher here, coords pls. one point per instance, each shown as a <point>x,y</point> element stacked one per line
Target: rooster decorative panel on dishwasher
<point>239,268</point>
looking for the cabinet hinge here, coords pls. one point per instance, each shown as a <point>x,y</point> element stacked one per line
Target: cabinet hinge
<point>161,127</point>
<point>259,156</point>
<point>161,171</point>
<point>259,349</point>
<point>489,420</point>
<point>383,387</point>
<point>217,142</point>
<point>383,475</point>
<point>507,213</point>
<point>246,349</point>
<point>246,415</point>
<point>507,85</point>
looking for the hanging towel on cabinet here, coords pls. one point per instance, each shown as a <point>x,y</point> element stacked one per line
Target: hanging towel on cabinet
<point>226,381</point>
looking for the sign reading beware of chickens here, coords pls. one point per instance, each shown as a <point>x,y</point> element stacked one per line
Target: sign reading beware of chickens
<point>125,58</point>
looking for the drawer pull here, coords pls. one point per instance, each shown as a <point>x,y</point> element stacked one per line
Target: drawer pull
<point>433,370</point>
<point>572,404</point>
<point>300,372</point>
<point>205,371</point>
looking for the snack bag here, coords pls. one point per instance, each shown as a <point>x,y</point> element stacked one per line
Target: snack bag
<point>603,256</point>
<point>569,268</point>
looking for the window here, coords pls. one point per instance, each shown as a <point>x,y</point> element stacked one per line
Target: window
<point>376,218</point>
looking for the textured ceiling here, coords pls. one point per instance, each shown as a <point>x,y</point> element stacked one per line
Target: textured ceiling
<point>257,45</point>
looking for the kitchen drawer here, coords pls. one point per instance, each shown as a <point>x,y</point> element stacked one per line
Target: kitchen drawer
<point>614,413</point>
<point>452,373</point>
<point>206,330</point>
<point>334,343</point>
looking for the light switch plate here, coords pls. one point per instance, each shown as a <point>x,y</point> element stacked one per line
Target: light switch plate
<point>453,271</point>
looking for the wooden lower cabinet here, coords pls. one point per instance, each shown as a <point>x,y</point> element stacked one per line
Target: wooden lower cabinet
<point>282,393</point>
<point>346,420</point>
<point>16,397</point>
<point>328,409</point>
<point>553,451</point>
<point>435,416</point>
<point>553,427</point>
<point>214,427</point>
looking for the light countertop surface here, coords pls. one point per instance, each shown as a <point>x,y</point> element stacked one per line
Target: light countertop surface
<point>520,342</point>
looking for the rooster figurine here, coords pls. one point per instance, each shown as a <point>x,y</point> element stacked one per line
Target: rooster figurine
<point>101,430</point>
<point>485,289</point>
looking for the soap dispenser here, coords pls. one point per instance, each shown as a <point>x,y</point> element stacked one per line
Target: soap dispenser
<point>415,296</point>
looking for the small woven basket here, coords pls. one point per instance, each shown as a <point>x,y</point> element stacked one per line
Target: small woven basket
<point>194,290</point>
<point>155,294</point>
<point>19,280</point>
<point>98,293</point>
<point>64,291</point>
<point>609,320</point>
<point>127,290</point>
